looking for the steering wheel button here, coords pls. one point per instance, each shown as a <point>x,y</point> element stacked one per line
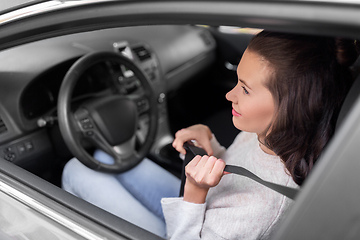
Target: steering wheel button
<point>10,157</point>
<point>8,149</point>
<point>87,125</point>
<point>29,146</point>
<point>85,120</point>
<point>21,148</point>
<point>89,133</point>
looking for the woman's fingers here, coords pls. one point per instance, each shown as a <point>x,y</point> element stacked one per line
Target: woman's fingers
<point>206,145</point>
<point>181,137</point>
<point>179,146</point>
<point>199,132</point>
<point>205,171</point>
<point>209,164</point>
<point>194,162</point>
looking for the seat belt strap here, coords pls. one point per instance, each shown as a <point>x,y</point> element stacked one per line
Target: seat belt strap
<point>192,151</point>
<point>284,190</point>
<point>190,154</point>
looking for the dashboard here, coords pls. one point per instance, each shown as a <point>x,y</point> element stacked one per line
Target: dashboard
<point>31,76</point>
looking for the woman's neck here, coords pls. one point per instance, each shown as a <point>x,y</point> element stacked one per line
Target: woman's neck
<point>264,148</point>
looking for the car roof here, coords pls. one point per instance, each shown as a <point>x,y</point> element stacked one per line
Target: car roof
<point>18,8</point>
<point>6,6</point>
<point>312,17</point>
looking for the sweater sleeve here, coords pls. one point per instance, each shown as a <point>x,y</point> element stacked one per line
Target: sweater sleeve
<point>184,220</point>
<point>254,218</point>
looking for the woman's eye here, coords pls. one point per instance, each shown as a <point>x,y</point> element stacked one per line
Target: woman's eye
<point>245,91</point>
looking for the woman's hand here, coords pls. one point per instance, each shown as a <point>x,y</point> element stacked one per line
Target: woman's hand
<point>199,132</point>
<point>202,173</point>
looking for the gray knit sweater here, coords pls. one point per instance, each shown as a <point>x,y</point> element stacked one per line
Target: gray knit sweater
<point>237,208</point>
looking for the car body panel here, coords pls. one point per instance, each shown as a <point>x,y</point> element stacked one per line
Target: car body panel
<point>63,205</point>
<point>30,219</point>
<point>326,208</point>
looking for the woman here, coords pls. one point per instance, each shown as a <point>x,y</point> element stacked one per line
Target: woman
<point>289,92</point>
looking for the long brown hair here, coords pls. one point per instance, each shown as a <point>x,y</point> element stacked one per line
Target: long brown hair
<point>309,83</point>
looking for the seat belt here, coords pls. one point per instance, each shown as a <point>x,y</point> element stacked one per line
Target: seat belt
<point>192,151</point>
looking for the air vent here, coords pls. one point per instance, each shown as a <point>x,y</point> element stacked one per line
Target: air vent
<point>2,126</point>
<point>142,53</point>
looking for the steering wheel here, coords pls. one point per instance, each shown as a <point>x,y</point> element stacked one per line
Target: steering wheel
<point>108,122</point>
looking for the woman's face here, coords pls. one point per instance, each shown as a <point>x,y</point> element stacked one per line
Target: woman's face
<point>253,105</point>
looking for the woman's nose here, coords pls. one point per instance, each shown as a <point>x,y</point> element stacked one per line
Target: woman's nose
<point>230,96</point>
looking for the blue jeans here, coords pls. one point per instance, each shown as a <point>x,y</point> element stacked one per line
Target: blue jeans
<point>134,195</point>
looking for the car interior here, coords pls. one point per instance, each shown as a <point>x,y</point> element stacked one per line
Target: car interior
<point>185,64</point>
<point>177,76</point>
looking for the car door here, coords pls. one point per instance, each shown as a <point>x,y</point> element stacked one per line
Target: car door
<point>31,208</point>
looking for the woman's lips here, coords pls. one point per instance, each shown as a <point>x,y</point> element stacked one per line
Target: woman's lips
<point>235,113</point>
